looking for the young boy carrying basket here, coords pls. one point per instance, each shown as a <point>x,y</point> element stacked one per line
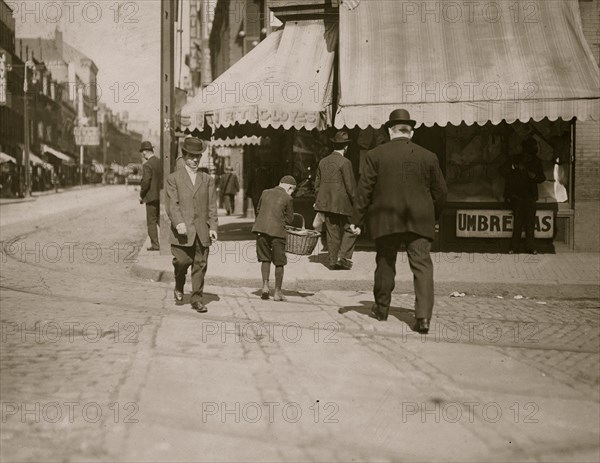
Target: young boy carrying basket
<point>275,210</point>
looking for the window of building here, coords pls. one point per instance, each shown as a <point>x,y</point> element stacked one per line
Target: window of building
<point>476,156</point>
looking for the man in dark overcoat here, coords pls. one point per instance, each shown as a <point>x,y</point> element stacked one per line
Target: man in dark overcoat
<point>523,173</point>
<point>192,210</point>
<point>335,188</point>
<point>150,192</point>
<point>401,192</point>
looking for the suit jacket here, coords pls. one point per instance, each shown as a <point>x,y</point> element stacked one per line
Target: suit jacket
<point>151,180</point>
<point>335,185</point>
<point>275,210</point>
<point>193,205</point>
<point>402,189</point>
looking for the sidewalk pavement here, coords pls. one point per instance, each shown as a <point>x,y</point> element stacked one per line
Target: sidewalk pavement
<point>232,261</point>
<point>37,194</point>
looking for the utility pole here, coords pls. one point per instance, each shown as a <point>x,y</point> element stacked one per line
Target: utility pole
<point>28,65</point>
<point>167,107</point>
<point>102,121</point>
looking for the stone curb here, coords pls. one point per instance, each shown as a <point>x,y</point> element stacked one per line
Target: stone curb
<point>542,291</point>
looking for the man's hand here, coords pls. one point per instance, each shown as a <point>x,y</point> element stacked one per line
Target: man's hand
<point>531,175</point>
<point>213,235</point>
<point>181,229</point>
<point>354,229</point>
<point>141,200</point>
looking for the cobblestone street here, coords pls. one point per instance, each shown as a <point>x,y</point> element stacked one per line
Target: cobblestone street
<point>100,365</point>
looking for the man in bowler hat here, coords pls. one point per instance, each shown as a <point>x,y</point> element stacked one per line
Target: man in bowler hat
<point>192,209</point>
<point>150,192</point>
<point>335,188</point>
<point>401,192</point>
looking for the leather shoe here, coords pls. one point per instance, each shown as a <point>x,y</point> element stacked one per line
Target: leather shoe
<point>422,326</point>
<point>344,264</point>
<point>199,307</point>
<point>379,314</point>
<point>178,295</point>
<point>153,248</point>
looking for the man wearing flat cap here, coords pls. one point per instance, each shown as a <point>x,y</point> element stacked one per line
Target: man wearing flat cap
<point>192,210</point>
<point>150,192</point>
<point>335,188</point>
<point>401,193</point>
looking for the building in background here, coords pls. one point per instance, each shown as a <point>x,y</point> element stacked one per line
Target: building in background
<point>11,106</point>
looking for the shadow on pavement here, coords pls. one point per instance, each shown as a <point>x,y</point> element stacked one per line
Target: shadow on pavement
<point>236,232</point>
<point>406,316</point>
<point>206,299</point>
<point>258,293</point>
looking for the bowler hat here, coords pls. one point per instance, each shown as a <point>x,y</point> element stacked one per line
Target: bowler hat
<point>193,145</point>
<point>341,138</point>
<point>146,146</point>
<point>400,116</point>
<point>288,180</point>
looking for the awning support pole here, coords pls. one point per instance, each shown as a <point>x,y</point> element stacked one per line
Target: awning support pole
<point>167,100</point>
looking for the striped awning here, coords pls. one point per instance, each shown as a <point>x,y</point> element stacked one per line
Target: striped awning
<point>284,82</point>
<point>6,158</point>
<point>37,161</point>
<point>237,141</point>
<point>98,168</point>
<point>57,154</point>
<point>450,62</point>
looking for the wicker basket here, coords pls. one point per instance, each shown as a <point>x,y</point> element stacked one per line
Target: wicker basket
<point>301,241</point>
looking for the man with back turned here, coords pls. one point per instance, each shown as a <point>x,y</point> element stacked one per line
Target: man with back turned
<point>401,192</point>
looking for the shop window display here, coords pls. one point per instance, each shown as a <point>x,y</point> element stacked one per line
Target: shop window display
<point>475,158</point>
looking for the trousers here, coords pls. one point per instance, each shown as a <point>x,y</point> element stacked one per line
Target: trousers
<point>152,217</point>
<point>340,243</point>
<point>524,219</point>
<point>197,257</point>
<point>419,260</point>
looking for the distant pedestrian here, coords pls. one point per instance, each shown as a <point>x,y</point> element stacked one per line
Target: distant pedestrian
<point>230,185</point>
<point>402,192</point>
<point>192,210</point>
<point>523,173</point>
<point>335,188</point>
<point>150,192</point>
<point>275,210</point>
<point>258,181</point>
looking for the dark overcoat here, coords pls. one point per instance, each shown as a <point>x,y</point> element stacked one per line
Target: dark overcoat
<point>402,189</point>
<point>151,180</point>
<point>335,185</point>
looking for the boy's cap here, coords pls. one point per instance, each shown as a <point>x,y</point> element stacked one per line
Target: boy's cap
<point>288,179</point>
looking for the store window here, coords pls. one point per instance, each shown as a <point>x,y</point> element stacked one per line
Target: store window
<point>476,156</point>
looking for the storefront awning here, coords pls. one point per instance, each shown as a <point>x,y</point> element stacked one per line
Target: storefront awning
<point>450,62</point>
<point>37,161</point>
<point>237,141</point>
<point>98,168</point>
<point>57,154</point>
<point>6,158</point>
<point>284,82</point>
